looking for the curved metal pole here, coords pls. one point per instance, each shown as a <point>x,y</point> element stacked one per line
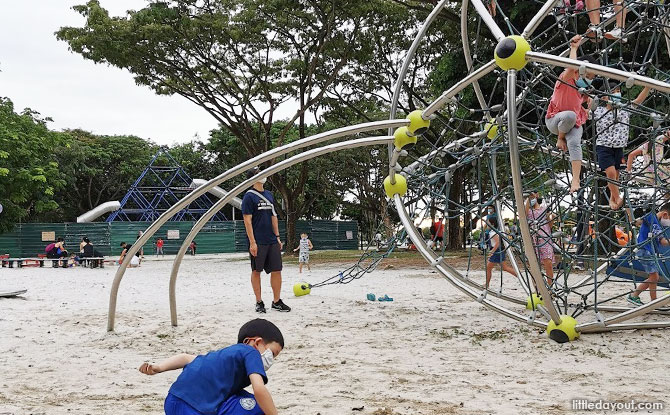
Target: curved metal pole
<point>452,275</point>
<point>403,71</point>
<point>629,326</point>
<point>466,51</point>
<point>310,154</point>
<point>632,313</point>
<point>458,87</point>
<point>515,167</point>
<point>488,20</point>
<point>599,70</point>
<point>230,173</point>
<point>537,19</point>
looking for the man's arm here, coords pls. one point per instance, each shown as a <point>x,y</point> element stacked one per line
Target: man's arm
<point>253,248</point>
<point>175,362</point>
<point>275,230</point>
<point>262,394</point>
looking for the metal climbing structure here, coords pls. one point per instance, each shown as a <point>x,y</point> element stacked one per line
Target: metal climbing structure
<point>163,183</point>
<point>500,139</point>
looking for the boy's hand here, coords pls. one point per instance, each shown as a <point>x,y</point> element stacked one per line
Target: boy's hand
<point>574,42</point>
<point>149,369</point>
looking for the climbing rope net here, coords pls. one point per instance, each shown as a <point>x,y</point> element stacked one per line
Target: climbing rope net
<point>490,127</point>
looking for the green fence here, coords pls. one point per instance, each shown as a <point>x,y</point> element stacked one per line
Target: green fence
<point>28,240</point>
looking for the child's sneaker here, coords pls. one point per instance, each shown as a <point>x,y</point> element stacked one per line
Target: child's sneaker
<point>280,306</point>
<point>260,307</point>
<point>634,300</point>
<point>614,34</point>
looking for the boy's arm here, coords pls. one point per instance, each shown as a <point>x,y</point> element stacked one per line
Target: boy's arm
<point>642,96</point>
<point>262,394</point>
<point>175,362</point>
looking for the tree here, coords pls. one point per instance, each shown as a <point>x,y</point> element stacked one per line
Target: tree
<point>98,169</point>
<point>29,171</point>
<point>240,60</point>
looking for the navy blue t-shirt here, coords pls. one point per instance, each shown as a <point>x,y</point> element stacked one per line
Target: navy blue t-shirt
<point>210,379</point>
<point>651,229</point>
<point>261,220</point>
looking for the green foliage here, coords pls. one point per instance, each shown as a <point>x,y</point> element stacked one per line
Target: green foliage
<point>29,172</point>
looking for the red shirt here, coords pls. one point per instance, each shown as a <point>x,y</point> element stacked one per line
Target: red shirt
<point>159,243</point>
<point>566,97</point>
<point>439,229</point>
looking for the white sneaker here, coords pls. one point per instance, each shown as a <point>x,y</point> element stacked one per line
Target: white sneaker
<point>614,34</point>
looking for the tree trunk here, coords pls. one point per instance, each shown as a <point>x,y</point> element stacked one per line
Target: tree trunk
<point>454,228</point>
<point>291,237</point>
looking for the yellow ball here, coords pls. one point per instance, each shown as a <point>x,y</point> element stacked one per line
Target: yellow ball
<point>491,129</point>
<point>301,288</point>
<point>402,138</point>
<point>511,53</point>
<point>533,301</point>
<point>417,125</point>
<point>400,186</point>
<point>563,332</point>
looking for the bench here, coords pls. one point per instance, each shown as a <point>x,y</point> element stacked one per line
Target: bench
<point>8,262</point>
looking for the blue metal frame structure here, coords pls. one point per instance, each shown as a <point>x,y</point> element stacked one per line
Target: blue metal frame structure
<point>160,186</point>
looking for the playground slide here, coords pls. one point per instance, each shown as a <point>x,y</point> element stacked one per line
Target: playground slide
<point>98,211</point>
<point>218,192</point>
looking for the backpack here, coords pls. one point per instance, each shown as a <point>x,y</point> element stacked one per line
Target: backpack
<point>49,247</point>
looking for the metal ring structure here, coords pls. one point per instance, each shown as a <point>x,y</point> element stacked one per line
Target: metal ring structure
<point>227,175</point>
<point>452,275</point>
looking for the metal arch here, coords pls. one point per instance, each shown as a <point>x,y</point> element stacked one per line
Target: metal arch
<point>343,145</point>
<point>228,174</point>
<point>537,19</point>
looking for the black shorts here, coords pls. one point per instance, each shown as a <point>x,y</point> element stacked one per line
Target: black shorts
<point>438,238</point>
<point>268,259</point>
<point>608,157</point>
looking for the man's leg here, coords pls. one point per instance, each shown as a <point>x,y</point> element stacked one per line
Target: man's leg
<point>275,282</point>
<point>256,284</point>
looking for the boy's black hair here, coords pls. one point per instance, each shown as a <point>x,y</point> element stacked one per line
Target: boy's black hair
<point>60,240</point>
<point>262,328</point>
<point>613,85</point>
<point>665,208</point>
<point>122,243</point>
<point>493,220</point>
<point>85,239</point>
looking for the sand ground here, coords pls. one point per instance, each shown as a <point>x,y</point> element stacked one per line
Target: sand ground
<point>431,351</point>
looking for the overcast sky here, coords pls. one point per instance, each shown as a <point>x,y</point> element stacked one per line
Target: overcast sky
<point>39,72</point>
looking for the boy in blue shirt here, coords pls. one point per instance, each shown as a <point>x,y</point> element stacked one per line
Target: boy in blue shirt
<point>649,238</point>
<point>213,383</point>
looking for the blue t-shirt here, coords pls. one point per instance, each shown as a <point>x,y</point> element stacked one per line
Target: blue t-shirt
<point>261,220</point>
<point>651,229</point>
<point>210,379</point>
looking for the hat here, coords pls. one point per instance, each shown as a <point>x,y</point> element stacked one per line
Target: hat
<point>252,172</point>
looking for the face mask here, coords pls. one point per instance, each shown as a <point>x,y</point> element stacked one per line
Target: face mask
<point>533,202</point>
<point>583,82</point>
<point>665,222</point>
<point>268,359</point>
<point>262,181</point>
<point>616,98</point>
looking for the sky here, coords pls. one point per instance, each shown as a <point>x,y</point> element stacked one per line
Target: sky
<point>39,72</point>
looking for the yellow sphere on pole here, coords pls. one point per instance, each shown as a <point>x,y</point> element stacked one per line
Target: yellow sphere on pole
<point>491,129</point>
<point>301,288</point>
<point>533,301</point>
<point>564,332</point>
<point>511,53</point>
<point>402,138</point>
<point>417,125</point>
<point>397,188</point>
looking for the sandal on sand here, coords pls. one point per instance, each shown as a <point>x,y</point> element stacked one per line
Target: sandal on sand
<point>371,297</point>
<point>385,298</point>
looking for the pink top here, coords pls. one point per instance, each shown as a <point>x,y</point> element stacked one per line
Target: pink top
<point>539,224</point>
<point>566,97</point>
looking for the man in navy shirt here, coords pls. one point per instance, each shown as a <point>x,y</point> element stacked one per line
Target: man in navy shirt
<point>260,222</point>
<point>213,383</point>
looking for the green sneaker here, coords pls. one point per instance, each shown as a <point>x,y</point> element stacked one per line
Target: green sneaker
<point>634,300</point>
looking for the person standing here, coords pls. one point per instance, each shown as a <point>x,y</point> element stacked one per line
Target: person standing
<point>304,246</point>
<point>192,247</point>
<point>262,227</point>
<point>159,247</point>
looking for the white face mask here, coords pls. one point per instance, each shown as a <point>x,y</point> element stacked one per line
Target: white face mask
<point>268,359</point>
<point>665,222</point>
<point>533,202</point>
<point>262,181</point>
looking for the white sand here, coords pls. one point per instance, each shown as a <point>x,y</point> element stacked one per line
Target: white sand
<point>431,351</point>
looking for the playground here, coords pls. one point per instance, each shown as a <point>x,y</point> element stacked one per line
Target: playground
<point>345,354</point>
